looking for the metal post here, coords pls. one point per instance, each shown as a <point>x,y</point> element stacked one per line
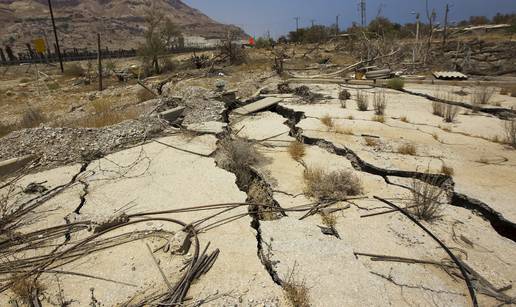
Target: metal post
<point>99,57</point>
<point>55,34</point>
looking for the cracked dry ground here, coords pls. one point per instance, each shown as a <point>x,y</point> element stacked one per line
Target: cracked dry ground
<point>159,181</point>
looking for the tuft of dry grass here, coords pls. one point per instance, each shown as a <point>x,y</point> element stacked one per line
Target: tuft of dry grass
<point>438,108</point>
<point>104,115</point>
<point>237,156</point>
<point>371,142</point>
<point>344,95</point>
<point>350,117</point>
<point>379,103</point>
<point>510,132</point>
<point>24,287</point>
<point>296,291</point>
<point>297,150</point>
<point>341,130</point>
<point>74,70</point>
<point>334,185</point>
<point>483,95</point>
<point>144,95</point>
<point>426,198</point>
<point>407,149</point>
<point>378,118</point>
<point>362,101</point>
<point>6,129</point>
<point>447,170</point>
<point>405,119</point>
<point>450,113</point>
<point>32,117</point>
<point>328,219</point>
<point>327,121</point>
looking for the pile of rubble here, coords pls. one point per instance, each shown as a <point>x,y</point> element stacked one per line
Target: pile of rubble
<point>57,146</point>
<point>200,105</point>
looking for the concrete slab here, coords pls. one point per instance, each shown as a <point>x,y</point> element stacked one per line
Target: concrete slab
<point>172,114</point>
<point>208,127</point>
<point>257,106</point>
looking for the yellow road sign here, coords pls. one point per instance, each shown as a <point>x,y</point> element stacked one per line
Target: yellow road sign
<point>39,45</point>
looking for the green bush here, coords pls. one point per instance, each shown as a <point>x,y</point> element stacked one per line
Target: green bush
<point>396,84</point>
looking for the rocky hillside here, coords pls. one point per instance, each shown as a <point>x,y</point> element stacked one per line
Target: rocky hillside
<point>119,21</point>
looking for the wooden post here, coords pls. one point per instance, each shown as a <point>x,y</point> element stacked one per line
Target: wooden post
<point>55,35</point>
<point>99,57</point>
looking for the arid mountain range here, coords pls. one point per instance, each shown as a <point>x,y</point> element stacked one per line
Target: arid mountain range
<point>120,22</point>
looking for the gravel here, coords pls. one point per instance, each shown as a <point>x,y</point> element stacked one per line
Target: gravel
<point>59,146</point>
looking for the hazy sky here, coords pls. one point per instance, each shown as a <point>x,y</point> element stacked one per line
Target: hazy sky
<point>258,16</point>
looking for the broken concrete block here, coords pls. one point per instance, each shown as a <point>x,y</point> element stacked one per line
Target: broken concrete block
<point>257,106</point>
<point>172,114</point>
<point>208,127</point>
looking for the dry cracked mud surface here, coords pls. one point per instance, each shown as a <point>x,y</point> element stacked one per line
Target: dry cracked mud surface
<point>168,221</point>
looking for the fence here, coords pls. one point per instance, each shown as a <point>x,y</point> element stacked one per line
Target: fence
<point>8,58</point>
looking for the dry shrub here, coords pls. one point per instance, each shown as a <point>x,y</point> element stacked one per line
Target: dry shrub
<point>426,195</point>
<point>344,95</point>
<point>6,129</point>
<point>362,101</point>
<point>508,90</point>
<point>105,116</point>
<point>296,291</point>
<point>378,118</point>
<point>404,119</point>
<point>297,150</point>
<point>450,113</point>
<point>341,130</point>
<point>334,185</point>
<point>447,170</point>
<point>328,219</point>
<point>32,117</point>
<point>237,156</point>
<point>438,108</point>
<point>24,288</point>
<point>407,149</point>
<point>510,132</point>
<point>74,70</point>
<point>327,121</point>
<point>144,95</point>
<point>379,103</point>
<point>371,142</point>
<point>483,95</point>
<point>396,84</point>
<point>350,117</point>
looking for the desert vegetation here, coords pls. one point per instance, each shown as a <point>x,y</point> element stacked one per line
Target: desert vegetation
<point>426,198</point>
<point>362,101</point>
<point>331,185</point>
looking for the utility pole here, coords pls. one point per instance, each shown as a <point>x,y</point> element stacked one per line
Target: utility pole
<point>297,23</point>
<point>55,35</point>
<point>445,32</point>
<point>99,58</point>
<point>313,22</point>
<point>363,12</point>
<point>337,25</point>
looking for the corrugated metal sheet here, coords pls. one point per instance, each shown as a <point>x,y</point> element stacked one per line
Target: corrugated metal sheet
<point>450,75</point>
